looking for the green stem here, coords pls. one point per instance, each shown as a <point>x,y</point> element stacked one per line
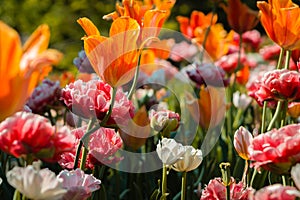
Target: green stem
<point>83,158</point>
<point>283,180</point>
<point>280,58</point>
<point>183,186</point>
<point>112,102</point>
<point>17,195</point>
<point>244,178</point>
<point>276,115</point>
<point>228,192</point>
<point>164,181</point>
<point>287,59</point>
<point>263,121</point>
<point>253,177</point>
<point>237,118</point>
<point>206,34</point>
<point>136,75</point>
<point>284,110</point>
<point>78,150</point>
<point>229,112</point>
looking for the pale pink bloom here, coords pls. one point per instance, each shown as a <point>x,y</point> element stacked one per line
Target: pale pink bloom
<point>275,192</point>
<point>277,150</point>
<point>183,51</point>
<point>36,184</point>
<point>79,185</point>
<point>189,161</point>
<point>92,99</point>
<point>29,134</point>
<point>241,101</point>
<point>295,173</point>
<point>160,120</point>
<point>102,144</point>
<point>242,139</point>
<point>270,52</point>
<point>215,190</point>
<point>229,62</point>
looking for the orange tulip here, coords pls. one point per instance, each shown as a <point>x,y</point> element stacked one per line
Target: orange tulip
<point>150,20</point>
<point>113,58</point>
<point>217,41</point>
<point>211,106</point>
<point>22,69</point>
<point>240,17</point>
<point>198,20</point>
<point>281,20</point>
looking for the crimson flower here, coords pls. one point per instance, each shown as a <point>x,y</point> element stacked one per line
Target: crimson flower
<point>30,135</point>
<point>230,62</point>
<point>277,150</point>
<point>216,190</point>
<point>92,99</point>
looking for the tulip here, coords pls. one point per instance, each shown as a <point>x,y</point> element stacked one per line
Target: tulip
<point>35,183</point>
<point>242,139</point>
<point>241,101</point>
<point>22,68</point>
<point>240,17</point>
<point>169,151</point>
<point>190,160</point>
<point>281,20</point>
<point>294,109</point>
<point>295,173</point>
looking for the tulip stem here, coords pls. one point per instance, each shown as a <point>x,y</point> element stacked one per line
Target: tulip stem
<point>164,182</point>
<point>283,180</point>
<point>263,120</point>
<point>183,186</point>
<point>228,192</point>
<point>112,102</point>
<point>276,115</point>
<point>280,58</point>
<point>17,195</point>
<point>136,74</point>
<point>244,178</point>
<point>287,59</point>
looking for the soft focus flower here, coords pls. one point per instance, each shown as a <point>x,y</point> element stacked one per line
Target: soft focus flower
<point>294,109</point>
<point>30,135</point>
<point>270,52</point>
<point>217,191</point>
<point>218,40</point>
<point>164,121</point>
<point>276,150</point>
<point>198,20</point>
<point>209,110</point>
<point>229,63</point>
<point>102,145</point>
<point>190,160</point>
<point>169,151</point>
<point>45,96</point>
<point>113,58</point>
<point>137,131</point>
<point>36,184</point>
<point>78,184</point>
<point>92,99</point>
<point>252,37</point>
<point>22,68</point>
<point>242,139</point>
<point>278,85</point>
<point>82,63</point>
<point>183,51</point>
<point>295,173</point>
<point>207,74</point>
<point>240,17</point>
<point>281,20</point>
<point>241,101</point>
<point>275,192</point>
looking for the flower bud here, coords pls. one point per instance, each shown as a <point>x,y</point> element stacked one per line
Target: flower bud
<point>225,170</point>
<point>242,139</point>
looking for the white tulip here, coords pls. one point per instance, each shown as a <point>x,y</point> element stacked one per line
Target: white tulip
<point>241,101</point>
<point>191,159</point>
<point>36,184</point>
<point>169,151</point>
<point>295,172</point>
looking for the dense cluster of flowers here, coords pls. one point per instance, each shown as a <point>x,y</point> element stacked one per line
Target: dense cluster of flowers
<point>149,113</point>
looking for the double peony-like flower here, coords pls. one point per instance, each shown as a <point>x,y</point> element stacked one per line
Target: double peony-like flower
<point>32,136</point>
<point>92,99</point>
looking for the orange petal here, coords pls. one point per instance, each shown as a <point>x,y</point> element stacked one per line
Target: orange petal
<point>88,26</point>
<point>124,24</point>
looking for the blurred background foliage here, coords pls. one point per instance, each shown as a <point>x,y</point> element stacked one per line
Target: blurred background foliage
<point>61,16</point>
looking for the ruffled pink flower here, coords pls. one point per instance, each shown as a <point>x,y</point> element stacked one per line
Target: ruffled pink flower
<point>217,191</point>
<point>27,134</point>
<point>78,184</point>
<point>277,150</point>
<point>280,84</point>
<point>164,119</point>
<point>103,145</point>
<point>275,192</point>
<point>253,38</point>
<point>183,51</point>
<point>229,62</point>
<point>92,99</point>
<point>270,52</point>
